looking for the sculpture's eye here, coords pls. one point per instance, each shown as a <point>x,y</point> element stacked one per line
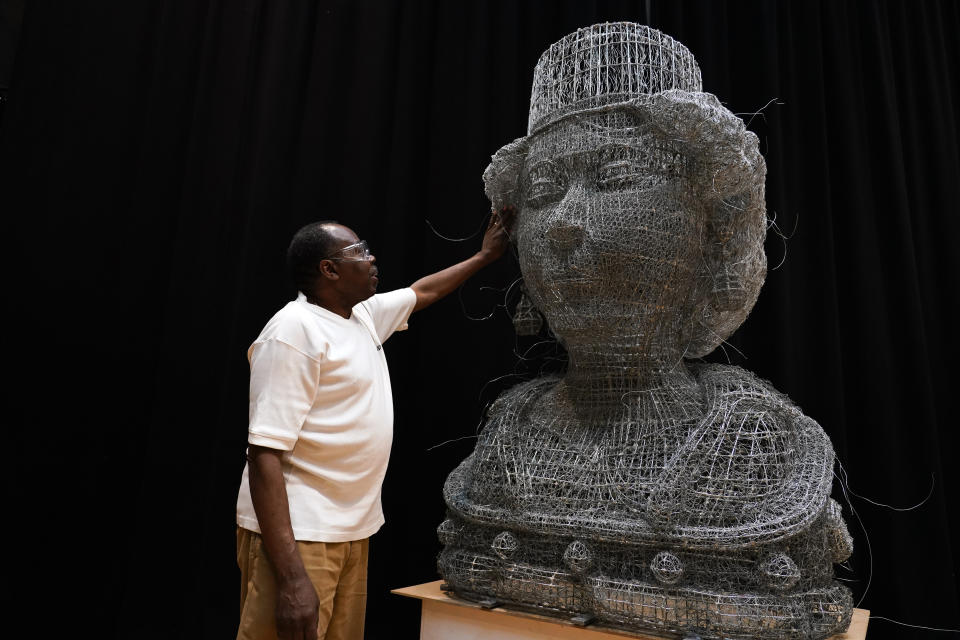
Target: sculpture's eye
<point>544,186</point>
<point>621,175</point>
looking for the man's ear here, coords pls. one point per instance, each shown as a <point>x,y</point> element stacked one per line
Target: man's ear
<point>328,270</point>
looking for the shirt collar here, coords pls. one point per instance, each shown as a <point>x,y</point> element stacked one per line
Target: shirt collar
<point>321,311</point>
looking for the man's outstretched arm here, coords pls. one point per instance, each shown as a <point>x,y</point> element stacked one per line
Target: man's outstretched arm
<point>437,285</point>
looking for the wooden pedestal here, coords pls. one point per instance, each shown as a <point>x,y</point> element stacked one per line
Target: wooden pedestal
<point>444,618</point>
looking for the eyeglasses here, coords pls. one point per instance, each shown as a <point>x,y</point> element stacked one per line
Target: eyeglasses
<point>357,252</point>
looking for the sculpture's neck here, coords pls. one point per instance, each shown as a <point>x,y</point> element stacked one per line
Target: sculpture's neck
<point>599,375</point>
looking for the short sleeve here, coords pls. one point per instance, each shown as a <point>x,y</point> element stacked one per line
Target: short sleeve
<point>390,311</point>
<point>283,385</point>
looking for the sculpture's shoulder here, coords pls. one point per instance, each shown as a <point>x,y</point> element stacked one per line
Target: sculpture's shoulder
<point>520,398</point>
<point>734,395</point>
<point>481,486</point>
<point>507,423</point>
<point>731,393</point>
<point>513,409</point>
<point>735,379</point>
<point>755,468</point>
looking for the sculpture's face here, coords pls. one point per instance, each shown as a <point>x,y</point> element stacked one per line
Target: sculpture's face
<point>609,232</point>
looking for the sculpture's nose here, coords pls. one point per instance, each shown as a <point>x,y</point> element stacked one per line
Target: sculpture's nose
<point>565,229</point>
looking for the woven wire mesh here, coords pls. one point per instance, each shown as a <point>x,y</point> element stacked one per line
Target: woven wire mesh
<point>640,488</point>
<point>604,64</point>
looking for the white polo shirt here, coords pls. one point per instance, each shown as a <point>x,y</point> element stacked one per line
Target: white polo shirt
<point>320,392</point>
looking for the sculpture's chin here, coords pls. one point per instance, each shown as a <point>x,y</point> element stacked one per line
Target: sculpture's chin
<point>619,326</point>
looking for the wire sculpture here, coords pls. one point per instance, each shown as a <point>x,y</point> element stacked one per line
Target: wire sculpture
<point>640,489</point>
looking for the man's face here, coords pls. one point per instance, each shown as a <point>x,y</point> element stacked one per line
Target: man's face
<point>357,276</point>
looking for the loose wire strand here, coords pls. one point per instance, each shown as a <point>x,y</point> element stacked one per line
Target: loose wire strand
<point>914,626</point>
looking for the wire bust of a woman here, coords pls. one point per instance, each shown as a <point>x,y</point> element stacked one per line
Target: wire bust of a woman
<point>642,489</point>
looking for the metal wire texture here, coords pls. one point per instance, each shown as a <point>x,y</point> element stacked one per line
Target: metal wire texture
<point>641,488</point>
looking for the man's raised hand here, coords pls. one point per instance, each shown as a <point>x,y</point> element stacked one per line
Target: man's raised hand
<point>497,236</point>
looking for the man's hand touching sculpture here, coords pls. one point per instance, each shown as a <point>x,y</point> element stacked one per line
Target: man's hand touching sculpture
<point>431,288</point>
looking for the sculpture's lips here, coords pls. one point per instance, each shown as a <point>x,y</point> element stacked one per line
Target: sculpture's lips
<point>565,284</point>
<point>577,283</point>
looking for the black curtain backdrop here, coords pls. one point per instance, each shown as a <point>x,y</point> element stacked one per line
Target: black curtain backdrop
<point>158,155</point>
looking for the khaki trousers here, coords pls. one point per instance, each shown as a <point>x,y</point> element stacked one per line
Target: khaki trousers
<point>338,571</point>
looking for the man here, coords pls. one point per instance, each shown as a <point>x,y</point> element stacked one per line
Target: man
<point>321,425</point>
